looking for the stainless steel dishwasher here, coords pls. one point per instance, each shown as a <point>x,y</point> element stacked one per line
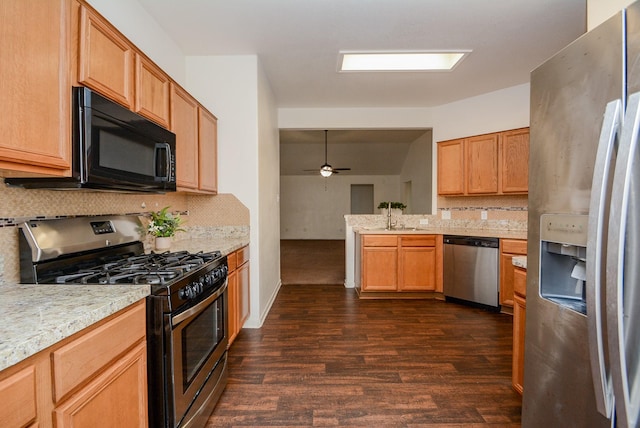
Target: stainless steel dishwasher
<point>471,267</point>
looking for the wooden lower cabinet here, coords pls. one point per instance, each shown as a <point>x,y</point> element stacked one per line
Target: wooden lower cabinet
<point>401,263</point>
<point>420,263</point>
<point>379,263</point>
<point>119,393</point>
<point>238,284</point>
<point>519,318</point>
<point>97,377</point>
<point>18,395</point>
<point>508,249</point>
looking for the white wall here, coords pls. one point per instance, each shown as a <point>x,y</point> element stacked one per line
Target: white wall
<point>417,170</point>
<point>599,11</point>
<point>313,207</point>
<point>268,201</point>
<point>230,87</point>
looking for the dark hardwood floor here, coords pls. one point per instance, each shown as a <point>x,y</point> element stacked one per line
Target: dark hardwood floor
<point>325,358</point>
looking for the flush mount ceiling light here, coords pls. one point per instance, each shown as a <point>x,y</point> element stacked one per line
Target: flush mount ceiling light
<point>400,61</point>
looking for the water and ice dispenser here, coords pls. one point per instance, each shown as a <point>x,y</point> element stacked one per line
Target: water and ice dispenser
<point>563,253</point>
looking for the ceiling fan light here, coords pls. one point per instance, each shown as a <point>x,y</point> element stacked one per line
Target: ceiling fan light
<point>326,171</point>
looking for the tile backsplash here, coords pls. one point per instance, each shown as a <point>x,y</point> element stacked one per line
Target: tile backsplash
<point>19,205</point>
<point>494,207</point>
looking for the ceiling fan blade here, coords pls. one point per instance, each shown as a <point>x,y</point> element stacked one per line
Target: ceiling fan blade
<point>342,169</point>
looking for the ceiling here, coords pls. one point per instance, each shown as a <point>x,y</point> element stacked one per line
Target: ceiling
<point>298,41</point>
<point>365,151</point>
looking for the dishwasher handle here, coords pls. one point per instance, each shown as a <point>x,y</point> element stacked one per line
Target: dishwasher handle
<point>471,241</point>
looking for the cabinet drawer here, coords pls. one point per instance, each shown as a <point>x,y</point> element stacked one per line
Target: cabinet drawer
<point>232,261</point>
<point>243,255</point>
<point>18,394</point>
<point>379,240</point>
<point>418,241</point>
<point>514,246</point>
<point>85,357</point>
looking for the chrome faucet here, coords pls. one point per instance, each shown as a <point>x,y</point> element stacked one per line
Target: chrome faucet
<point>389,216</point>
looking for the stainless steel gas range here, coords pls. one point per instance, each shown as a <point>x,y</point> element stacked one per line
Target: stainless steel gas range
<point>187,331</point>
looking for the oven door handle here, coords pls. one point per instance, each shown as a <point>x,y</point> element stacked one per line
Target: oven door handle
<point>200,306</point>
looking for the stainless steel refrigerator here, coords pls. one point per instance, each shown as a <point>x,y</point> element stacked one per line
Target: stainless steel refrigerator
<point>582,338</point>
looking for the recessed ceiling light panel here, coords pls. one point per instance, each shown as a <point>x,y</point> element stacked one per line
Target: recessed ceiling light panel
<point>400,61</point>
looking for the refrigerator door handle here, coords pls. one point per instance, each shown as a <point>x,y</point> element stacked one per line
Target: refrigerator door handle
<point>595,243</point>
<point>619,331</point>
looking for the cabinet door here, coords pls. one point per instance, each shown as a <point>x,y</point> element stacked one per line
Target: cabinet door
<point>208,150</point>
<point>184,123</point>
<point>106,61</point>
<point>35,82</point>
<point>152,92</point>
<point>119,393</point>
<point>417,269</point>
<point>18,397</point>
<point>482,164</point>
<point>519,319</point>
<point>508,249</point>
<point>379,268</point>
<point>515,161</point>
<point>451,168</point>
<point>232,306</point>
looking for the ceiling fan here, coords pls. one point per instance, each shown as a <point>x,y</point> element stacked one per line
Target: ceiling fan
<point>327,170</point>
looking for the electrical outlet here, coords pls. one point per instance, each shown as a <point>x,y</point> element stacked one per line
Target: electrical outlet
<point>424,221</point>
<point>446,215</point>
<point>483,215</point>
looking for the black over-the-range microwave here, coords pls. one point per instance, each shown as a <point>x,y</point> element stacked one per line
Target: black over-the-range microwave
<point>113,149</point>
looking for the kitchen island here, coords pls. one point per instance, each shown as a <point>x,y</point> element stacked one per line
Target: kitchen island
<point>361,225</point>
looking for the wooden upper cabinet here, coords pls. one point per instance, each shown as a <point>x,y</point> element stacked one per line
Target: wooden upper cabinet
<point>515,161</point>
<point>482,164</point>
<point>35,82</point>
<point>489,164</point>
<point>207,150</point>
<point>106,59</point>
<point>451,167</point>
<point>152,91</point>
<point>184,123</point>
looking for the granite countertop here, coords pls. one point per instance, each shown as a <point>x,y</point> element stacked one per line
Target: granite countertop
<point>520,261</point>
<point>484,233</point>
<point>36,316</point>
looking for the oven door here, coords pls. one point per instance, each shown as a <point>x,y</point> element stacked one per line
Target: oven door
<point>198,345</point>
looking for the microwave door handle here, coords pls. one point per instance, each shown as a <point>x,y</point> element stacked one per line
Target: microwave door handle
<point>595,242</point>
<point>621,332</point>
<point>166,148</point>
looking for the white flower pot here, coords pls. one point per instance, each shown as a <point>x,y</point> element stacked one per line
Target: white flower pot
<point>163,242</point>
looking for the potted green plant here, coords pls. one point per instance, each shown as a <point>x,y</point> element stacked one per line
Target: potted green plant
<point>164,225</point>
<point>396,207</point>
